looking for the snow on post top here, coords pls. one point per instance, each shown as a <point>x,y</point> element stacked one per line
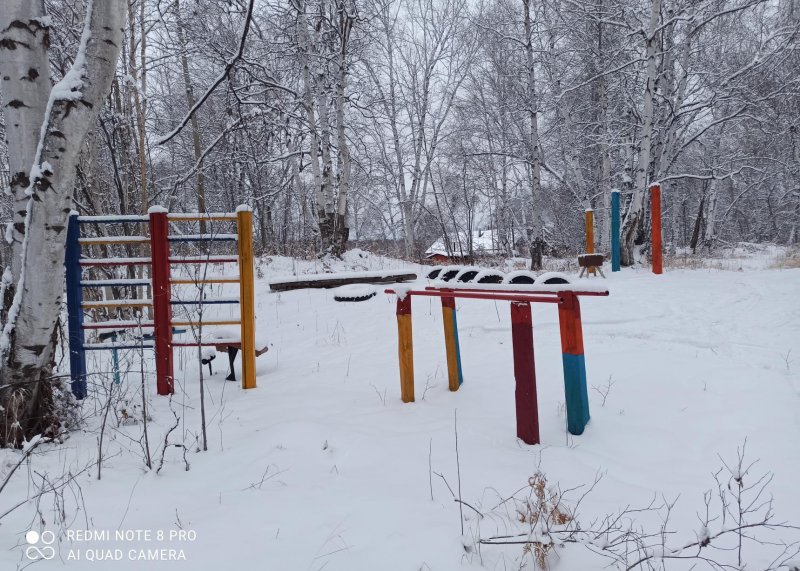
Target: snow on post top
<point>157,209</point>
<point>243,208</point>
<point>614,191</point>
<point>401,291</point>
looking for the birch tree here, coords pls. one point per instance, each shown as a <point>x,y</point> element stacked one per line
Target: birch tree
<point>50,129</point>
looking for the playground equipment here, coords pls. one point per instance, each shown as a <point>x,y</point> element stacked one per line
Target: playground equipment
<point>655,213</point>
<point>589,220</point>
<point>160,260</point>
<point>590,263</point>
<point>569,315</point>
<point>655,225</point>
<point>354,292</point>
<point>615,246</point>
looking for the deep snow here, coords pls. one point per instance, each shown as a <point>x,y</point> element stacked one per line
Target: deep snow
<point>322,466</point>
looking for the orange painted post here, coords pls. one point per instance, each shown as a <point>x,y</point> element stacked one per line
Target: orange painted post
<point>453,352</point>
<point>589,214</point>
<point>405,348</point>
<point>655,210</point>
<point>244,217</point>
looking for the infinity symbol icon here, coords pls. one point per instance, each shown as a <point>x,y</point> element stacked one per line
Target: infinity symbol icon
<point>33,552</point>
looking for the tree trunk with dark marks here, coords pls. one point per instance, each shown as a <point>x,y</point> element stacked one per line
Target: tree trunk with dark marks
<point>25,74</point>
<point>27,344</point>
<point>634,215</point>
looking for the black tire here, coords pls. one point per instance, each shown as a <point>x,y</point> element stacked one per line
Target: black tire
<point>354,297</point>
<point>522,280</point>
<point>467,277</point>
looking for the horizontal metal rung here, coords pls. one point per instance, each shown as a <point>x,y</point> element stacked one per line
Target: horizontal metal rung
<point>119,303</point>
<point>101,346</point>
<point>203,238</point>
<point>199,216</point>
<point>114,283</point>
<point>119,325</point>
<point>112,219</point>
<point>204,323</point>
<point>203,301</point>
<point>110,240</point>
<point>115,261</point>
<point>203,260</point>
<point>233,280</point>
<point>209,343</point>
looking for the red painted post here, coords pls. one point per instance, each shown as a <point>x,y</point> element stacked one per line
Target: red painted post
<point>524,373</point>
<point>162,309</point>
<point>655,210</point>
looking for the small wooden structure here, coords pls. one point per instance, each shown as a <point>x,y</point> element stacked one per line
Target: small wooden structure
<point>591,263</point>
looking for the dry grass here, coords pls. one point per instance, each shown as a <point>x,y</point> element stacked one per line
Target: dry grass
<point>788,260</point>
<point>687,262</point>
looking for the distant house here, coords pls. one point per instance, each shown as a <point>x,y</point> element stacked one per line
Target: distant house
<point>485,243</point>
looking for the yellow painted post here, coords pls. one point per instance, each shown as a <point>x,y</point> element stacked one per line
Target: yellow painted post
<point>590,237</point>
<point>405,348</point>
<point>247,304</point>
<point>451,343</point>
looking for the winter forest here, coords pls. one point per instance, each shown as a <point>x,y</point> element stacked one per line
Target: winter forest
<point>397,122</point>
<point>306,145</point>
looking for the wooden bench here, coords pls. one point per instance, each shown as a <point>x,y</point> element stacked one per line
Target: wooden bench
<point>232,349</point>
<point>591,264</point>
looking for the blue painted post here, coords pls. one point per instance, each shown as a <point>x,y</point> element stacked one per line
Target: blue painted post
<point>77,355</point>
<point>615,230</point>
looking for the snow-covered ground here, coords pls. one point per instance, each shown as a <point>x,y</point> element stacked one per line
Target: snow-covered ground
<point>323,467</point>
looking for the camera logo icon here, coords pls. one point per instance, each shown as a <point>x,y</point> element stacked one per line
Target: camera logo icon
<point>40,545</point>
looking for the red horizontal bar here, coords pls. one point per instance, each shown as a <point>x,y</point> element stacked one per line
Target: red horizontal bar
<point>203,343</point>
<point>202,260</point>
<point>515,291</point>
<point>502,296</point>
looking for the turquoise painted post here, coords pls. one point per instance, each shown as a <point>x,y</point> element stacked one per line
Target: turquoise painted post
<point>115,359</point>
<point>615,247</point>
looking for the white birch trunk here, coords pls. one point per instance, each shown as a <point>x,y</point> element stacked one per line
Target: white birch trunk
<point>341,230</point>
<point>25,73</point>
<point>635,211</point>
<point>28,340</point>
<point>533,134</point>
<point>406,207</point>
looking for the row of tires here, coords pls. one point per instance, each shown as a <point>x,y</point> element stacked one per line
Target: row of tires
<point>472,274</point>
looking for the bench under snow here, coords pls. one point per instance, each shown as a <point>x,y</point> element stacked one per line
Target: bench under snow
<point>230,341</point>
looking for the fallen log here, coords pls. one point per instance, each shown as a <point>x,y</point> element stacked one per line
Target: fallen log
<point>326,281</point>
